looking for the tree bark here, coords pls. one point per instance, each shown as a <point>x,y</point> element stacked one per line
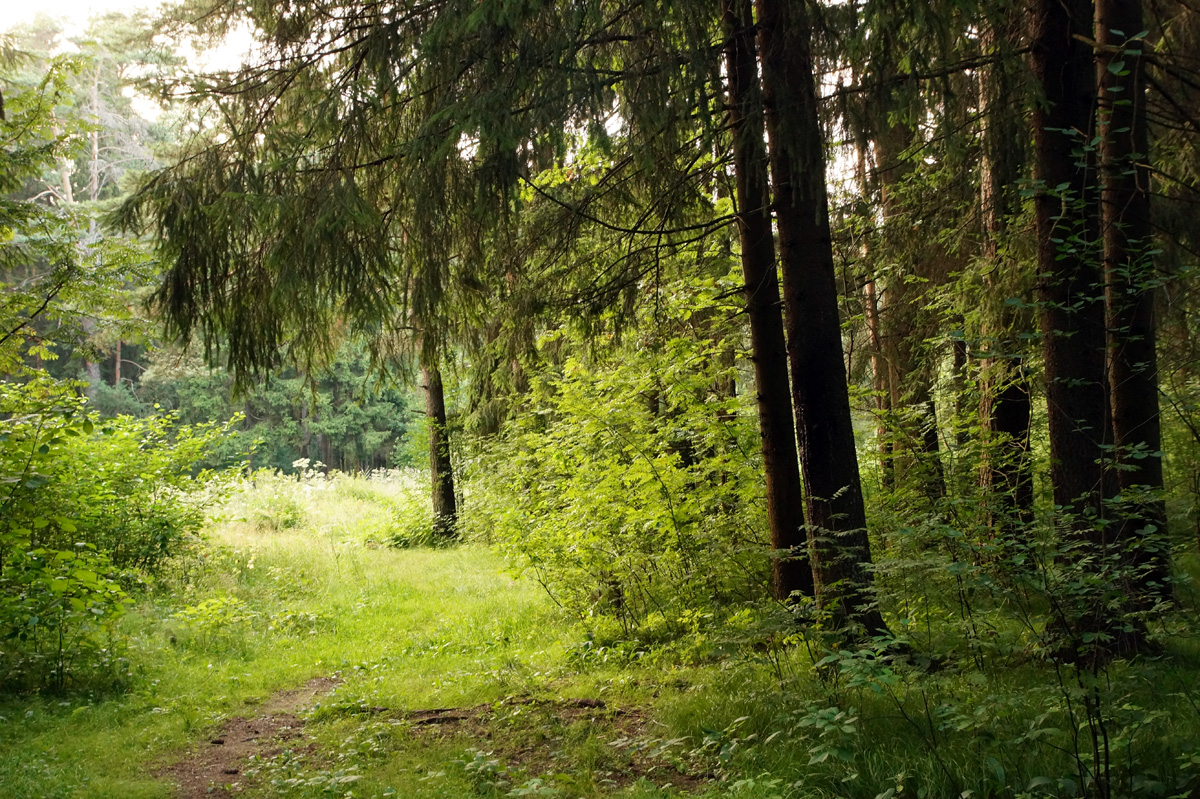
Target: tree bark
<point>1129,271</point>
<point>841,551</point>
<point>879,382</point>
<point>785,508</point>
<point>445,505</point>
<point>306,434</point>
<point>1005,395</point>
<point>1069,280</point>
<point>94,140</point>
<point>879,365</point>
<point>91,369</point>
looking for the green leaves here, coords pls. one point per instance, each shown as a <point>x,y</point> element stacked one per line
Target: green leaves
<point>82,509</point>
<point>626,483</point>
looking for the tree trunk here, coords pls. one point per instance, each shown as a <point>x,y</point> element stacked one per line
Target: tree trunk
<point>91,369</point>
<point>1129,270</point>
<point>841,552</point>
<point>65,168</point>
<point>445,506</point>
<point>1069,281</point>
<point>306,435</point>
<point>1005,395</point>
<point>94,140</point>
<point>883,402</point>
<point>785,509</point>
<point>879,367</point>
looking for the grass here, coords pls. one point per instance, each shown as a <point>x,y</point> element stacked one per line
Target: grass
<point>455,679</point>
<point>412,628</point>
<point>264,607</point>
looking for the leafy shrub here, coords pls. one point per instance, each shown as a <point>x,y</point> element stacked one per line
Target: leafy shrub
<point>274,506</point>
<point>632,488</point>
<point>296,622</point>
<point>58,606</point>
<point>403,514</point>
<point>214,622</point>
<point>85,514</point>
<point>411,522</point>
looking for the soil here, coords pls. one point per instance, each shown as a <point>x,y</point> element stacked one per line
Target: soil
<point>527,733</point>
<point>219,761</point>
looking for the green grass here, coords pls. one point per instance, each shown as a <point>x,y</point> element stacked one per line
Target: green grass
<point>411,625</point>
<point>412,628</point>
<point>264,607</point>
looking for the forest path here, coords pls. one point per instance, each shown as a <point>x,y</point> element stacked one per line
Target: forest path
<point>218,763</point>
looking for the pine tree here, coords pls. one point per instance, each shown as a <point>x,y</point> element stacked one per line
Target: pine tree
<point>770,354</point>
<point>1129,271</point>
<point>829,461</point>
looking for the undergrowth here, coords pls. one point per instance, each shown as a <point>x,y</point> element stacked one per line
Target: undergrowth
<point>454,679</point>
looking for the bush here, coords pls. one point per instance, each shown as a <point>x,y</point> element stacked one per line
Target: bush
<point>58,607</point>
<point>633,491</point>
<point>402,515</point>
<point>390,507</point>
<point>86,513</point>
<point>274,506</point>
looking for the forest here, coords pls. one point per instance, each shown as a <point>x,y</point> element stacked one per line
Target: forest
<point>766,399</point>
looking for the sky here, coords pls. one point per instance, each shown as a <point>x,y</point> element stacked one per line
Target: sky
<point>75,15</point>
<point>75,12</point>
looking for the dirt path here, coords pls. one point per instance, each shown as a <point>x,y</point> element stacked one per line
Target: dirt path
<point>219,762</point>
<point>503,728</point>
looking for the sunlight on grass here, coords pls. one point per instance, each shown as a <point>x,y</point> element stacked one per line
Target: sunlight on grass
<point>453,679</point>
<point>258,609</point>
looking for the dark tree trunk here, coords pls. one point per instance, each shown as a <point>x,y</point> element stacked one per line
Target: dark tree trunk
<point>785,504</point>
<point>306,435</point>
<point>445,506</point>
<point>1129,269</point>
<point>324,450</point>
<point>928,438</point>
<point>841,550</point>
<point>1005,401</point>
<point>1069,280</point>
<point>91,369</point>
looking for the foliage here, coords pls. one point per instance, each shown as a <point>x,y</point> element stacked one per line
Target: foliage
<point>389,507</point>
<point>275,507</point>
<point>217,624</point>
<point>88,513</point>
<point>626,487</point>
<point>57,612</point>
<point>776,711</point>
<point>67,292</point>
<point>611,462</point>
<point>47,270</point>
<point>343,416</point>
